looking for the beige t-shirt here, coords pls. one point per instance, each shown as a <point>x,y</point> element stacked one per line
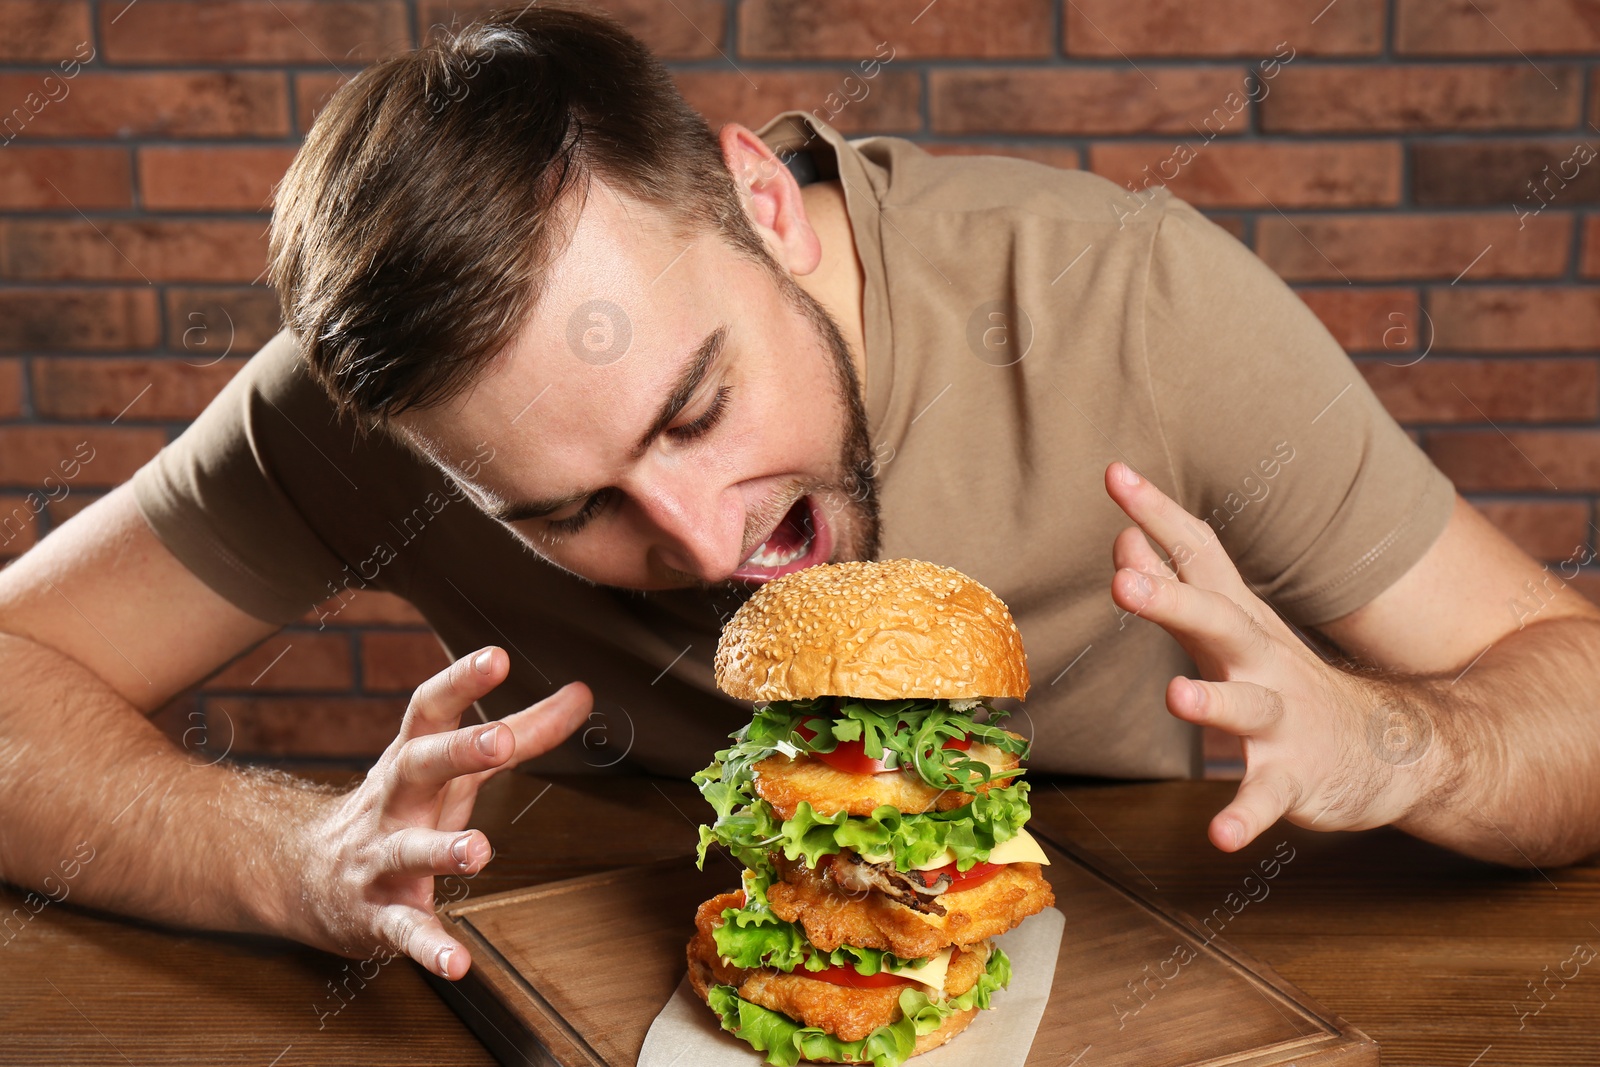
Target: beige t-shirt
<point>1024,327</point>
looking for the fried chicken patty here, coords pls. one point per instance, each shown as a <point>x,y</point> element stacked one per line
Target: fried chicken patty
<point>832,917</point>
<point>784,782</point>
<point>848,1013</point>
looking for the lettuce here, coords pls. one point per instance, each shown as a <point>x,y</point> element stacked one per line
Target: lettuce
<point>904,734</point>
<point>786,1042</point>
<point>752,830</point>
<point>752,936</point>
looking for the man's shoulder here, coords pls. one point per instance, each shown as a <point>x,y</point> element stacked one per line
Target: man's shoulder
<point>958,183</point>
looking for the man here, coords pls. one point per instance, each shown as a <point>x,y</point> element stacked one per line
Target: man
<point>573,375</point>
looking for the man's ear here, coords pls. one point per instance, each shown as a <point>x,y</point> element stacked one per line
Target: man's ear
<point>771,199</point>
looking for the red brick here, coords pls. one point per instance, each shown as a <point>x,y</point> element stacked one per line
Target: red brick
<point>206,325</point>
<point>1373,99</point>
<point>63,508</point>
<point>1116,28</point>
<point>1384,247</point>
<point>1536,460</point>
<point>211,179</point>
<point>334,32</point>
<point>1437,390</point>
<point>1544,529</point>
<point>19,521</point>
<point>175,104</point>
<point>399,662</point>
<point>854,29</point>
<point>893,103</point>
<point>683,29</point>
<point>1066,101</point>
<point>81,319</point>
<point>312,92</point>
<point>141,250</point>
<point>1234,224</point>
<point>1282,175</point>
<point>311,726</point>
<point>50,177</point>
<point>1516,319</point>
<point>365,608</point>
<point>103,456</point>
<point>10,388</point>
<point>1495,27</point>
<point>289,661</point>
<point>1524,177</point>
<point>42,31</point>
<point>137,390</point>
<point>1051,155</point>
<point>1370,320</point>
<point>1591,246</point>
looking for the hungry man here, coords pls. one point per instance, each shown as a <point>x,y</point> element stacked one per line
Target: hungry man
<point>574,376</point>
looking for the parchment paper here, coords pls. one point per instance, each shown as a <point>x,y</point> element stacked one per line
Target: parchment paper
<point>687,1034</point>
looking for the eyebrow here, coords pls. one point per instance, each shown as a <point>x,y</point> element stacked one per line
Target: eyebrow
<point>683,390</point>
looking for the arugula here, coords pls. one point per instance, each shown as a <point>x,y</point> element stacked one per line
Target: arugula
<point>904,734</point>
<point>786,1042</point>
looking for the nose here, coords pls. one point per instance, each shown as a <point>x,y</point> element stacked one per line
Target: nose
<point>699,524</point>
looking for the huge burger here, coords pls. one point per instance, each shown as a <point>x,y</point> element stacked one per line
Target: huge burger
<point>876,805</point>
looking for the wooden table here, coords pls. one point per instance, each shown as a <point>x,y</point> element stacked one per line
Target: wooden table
<point>1434,956</point>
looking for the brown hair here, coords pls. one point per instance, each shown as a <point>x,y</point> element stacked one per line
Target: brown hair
<point>409,235</point>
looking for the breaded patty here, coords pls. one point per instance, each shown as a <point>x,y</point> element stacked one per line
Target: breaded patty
<point>851,1014</point>
<point>831,917</point>
<point>784,782</point>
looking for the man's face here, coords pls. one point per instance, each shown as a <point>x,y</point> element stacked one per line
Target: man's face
<point>672,414</point>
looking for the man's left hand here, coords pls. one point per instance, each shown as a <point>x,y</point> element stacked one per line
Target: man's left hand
<point>1315,738</point>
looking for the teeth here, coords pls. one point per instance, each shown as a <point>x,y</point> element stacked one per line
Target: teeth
<point>767,557</point>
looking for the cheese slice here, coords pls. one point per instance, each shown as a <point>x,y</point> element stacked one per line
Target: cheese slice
<point>930,974</point>
<point>1019,849</point>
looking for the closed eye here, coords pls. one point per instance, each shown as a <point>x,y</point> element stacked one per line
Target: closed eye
<point>598,501</point>
<point>573,523</point>
<point>706,422</point>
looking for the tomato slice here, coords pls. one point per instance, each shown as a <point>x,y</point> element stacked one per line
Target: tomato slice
<point>849,976</point>
<point>959,880</point>
<point>851,756</point>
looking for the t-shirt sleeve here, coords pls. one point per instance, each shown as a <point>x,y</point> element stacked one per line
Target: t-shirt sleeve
<point>1272,436</point>
<point>214,496</point>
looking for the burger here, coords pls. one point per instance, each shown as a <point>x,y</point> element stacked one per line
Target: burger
<point>877,807</point>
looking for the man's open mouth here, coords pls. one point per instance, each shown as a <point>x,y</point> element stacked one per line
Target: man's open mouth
<point>800,539</point>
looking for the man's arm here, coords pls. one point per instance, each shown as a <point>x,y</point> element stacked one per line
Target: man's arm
<point>1499,658</point>
<point>1466,719</point>
<point>99,625</point>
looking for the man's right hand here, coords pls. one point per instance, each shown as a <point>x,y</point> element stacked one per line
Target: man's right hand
<point>368,860</point>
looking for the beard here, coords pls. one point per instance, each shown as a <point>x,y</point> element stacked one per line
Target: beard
<point>854,494</point>
<point>850,497</point>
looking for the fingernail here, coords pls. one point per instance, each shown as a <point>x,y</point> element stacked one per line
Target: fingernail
<point>1142,586</point>
<point>481,661</point>
<point>1236,834</point>
<point>443,960</point>
<point>487,740</point>
<point>1128,476</point>
<point>1193,694</point>
<point>458,848</point>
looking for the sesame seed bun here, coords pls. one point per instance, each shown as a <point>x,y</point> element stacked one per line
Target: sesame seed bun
<point>881,631</point>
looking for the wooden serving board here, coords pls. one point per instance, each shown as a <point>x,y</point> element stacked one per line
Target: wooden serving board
<point>1135,984</point>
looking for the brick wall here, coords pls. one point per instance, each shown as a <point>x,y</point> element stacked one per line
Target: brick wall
<point>1423,171</point>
